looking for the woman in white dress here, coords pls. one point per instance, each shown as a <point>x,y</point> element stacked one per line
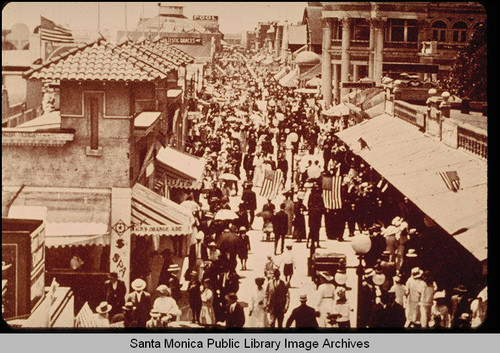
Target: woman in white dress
<point>257,305</point>
<point>207,315</point>
<point>325,299</point>
<point>258,173</point>
<point>166,305</point>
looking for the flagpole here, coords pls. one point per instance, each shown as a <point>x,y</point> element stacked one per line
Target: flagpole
<point>143,22</point>
<point>125,19</point>
<point>98,18</point>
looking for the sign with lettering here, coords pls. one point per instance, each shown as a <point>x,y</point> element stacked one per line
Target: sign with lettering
<point>142,230</point>
<point>358,84</point>
<point>182,183</point>
<point>206,17</point>
<point>185,40</point>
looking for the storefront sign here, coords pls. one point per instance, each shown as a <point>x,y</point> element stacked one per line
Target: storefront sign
<point>185,40</point>
<point>183,184</point>
<point>120,246</point>
<point>161,230</point>
<point>206,17</point>
<point>358,84</point>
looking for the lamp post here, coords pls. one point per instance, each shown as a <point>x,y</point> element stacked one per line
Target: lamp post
<point>361,244</point>
<point>293,138</point>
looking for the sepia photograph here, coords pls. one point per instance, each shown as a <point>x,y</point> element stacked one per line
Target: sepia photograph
<point>244,165</point>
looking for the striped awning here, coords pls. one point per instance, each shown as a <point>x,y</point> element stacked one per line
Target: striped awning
<point>410,160</point>
<point>181,170</point>
<point>153,214</point>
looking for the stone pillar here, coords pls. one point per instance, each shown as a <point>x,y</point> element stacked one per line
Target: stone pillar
<point>336,83</point>
<point>326,64</point>
<point>284,42</point>
<point>279,32</point>
<point>378,58</point>
<point>345,61</point>
<point>371,47</point>
<point>355,73</point>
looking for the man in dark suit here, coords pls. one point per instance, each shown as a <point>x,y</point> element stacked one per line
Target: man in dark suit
<point>277,299</point>
<point>141,300</point>
<point>235,316</point>
<point>249,200</point>
<point>303,315</point>
<point>280,227</point>
<point>115,293</point>
<point>197,255</point>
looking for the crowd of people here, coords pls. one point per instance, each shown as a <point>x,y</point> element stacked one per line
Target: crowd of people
<point>246,118</point>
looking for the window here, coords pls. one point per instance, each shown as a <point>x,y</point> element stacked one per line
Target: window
<point>439,31</point>
<point>94,123</point>
<point>337,30</point>
<point>403,30</point>
<point>360,29</point>
<point>460,32</point>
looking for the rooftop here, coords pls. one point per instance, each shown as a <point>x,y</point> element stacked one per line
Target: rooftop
<point>96,61</point>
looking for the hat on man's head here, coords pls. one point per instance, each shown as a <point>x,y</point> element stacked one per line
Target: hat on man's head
<point>303,297</point>
<point>416,272</point>
<point>113,275</point>
<point>440,294</point>
<point>212,244</point>
<point>154,313</point>
<point>231,296</point>
<point>209,215</point>
<point>369,272</point>
<point>173,268</point>
<point>138,284</point>
<point>103,308</point>
<point>460,289</point>
<point>411,253</point>
<point>412,231</point>
<point>243,229</point>
<point>129,306</point>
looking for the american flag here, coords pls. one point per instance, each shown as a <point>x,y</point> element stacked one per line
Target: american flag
<point>52,32</point>
<point>271,184</point>
<point>332,192</point>
<point>451,180</point>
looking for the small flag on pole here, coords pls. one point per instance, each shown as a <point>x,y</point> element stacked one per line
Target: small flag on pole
<point>271,184</point>
<point>52,32</point>
<point>332,192</point>
<point>451,180</point>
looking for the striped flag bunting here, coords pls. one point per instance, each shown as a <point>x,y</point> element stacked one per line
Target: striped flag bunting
<point>85,317</point>
<point>332,192</point>
<point>271,184</point>
<point>52,32</point>
<point>451,180</point>
<point>382,185</point>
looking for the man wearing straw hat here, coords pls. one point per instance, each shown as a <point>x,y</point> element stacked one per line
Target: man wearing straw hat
<point>141,299</point>
<point>303,315</point>
<point>155,320</point>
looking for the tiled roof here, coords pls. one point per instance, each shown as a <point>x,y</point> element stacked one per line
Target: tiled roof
<point>164,48</point>
<point>97,61</point>
<point>140,50</point>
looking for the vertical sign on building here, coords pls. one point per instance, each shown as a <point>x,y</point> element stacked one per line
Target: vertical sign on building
<point>121,212</point>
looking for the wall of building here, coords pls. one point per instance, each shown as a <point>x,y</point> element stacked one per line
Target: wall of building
<point>71,166</point>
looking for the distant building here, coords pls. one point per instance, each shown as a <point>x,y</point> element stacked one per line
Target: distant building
<point>187,34</point>
<point>376,39</point>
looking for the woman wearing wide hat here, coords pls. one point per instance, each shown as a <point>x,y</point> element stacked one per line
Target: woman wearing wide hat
<point>207,314</point>
<point>102,316</point>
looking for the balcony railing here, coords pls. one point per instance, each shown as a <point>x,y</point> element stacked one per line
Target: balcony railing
<point>473,141</point>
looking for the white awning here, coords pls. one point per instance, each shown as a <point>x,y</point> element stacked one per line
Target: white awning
<point>153,214</point>
<point>410,161</point>
<point>290,79</point>
<point>182,169</point>
<point>146,119</point>
<point>173,93</point>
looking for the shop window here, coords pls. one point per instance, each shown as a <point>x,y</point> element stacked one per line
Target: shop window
<point>460,32</point>
<point>403,30</point>
<point>439,31</point>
